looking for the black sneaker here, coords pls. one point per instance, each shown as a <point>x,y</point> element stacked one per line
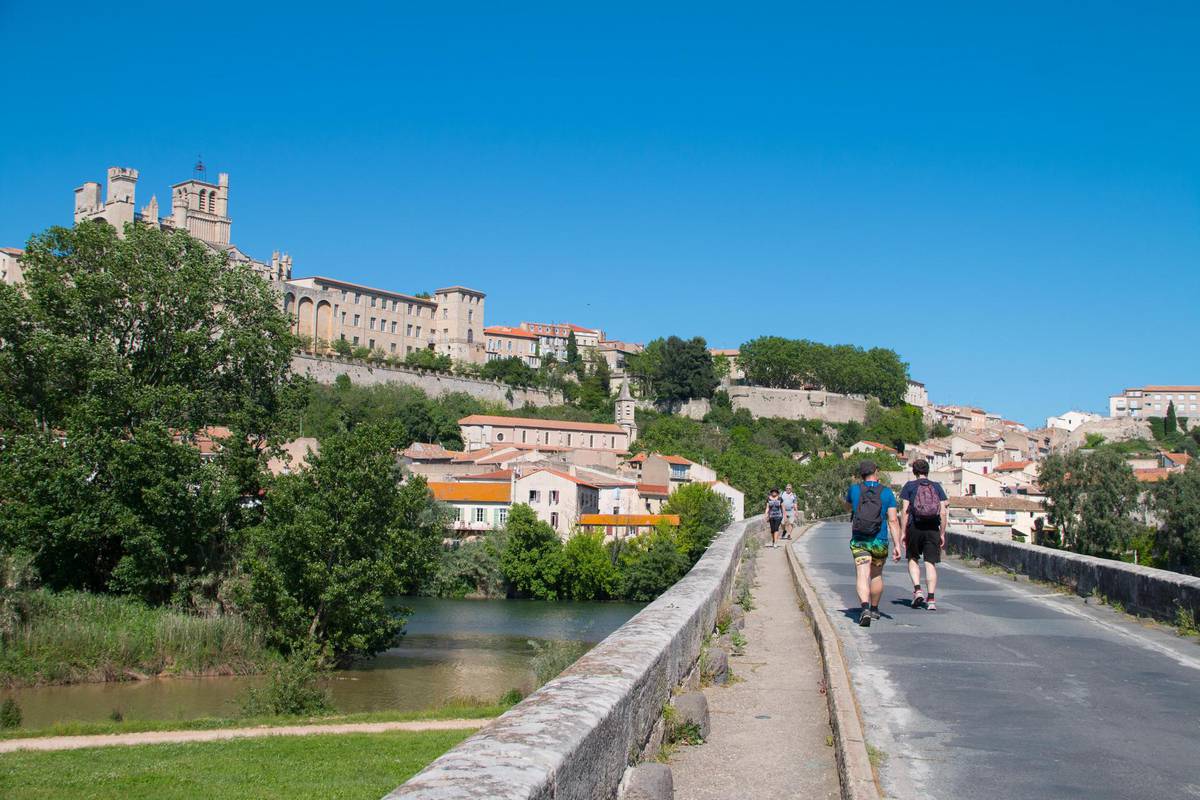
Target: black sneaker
<point>875,614</point>
<point>864,618</point>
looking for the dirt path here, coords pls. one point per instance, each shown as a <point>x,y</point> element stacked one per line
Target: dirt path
<point>171,737</point>
<point>770,729</point>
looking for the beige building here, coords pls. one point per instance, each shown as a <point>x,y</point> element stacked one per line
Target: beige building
<point>1153,401</point>
<point>475,506</point>
<point>10,265</point>
<point>326,309</point>
<point>505,342</point>
<point>553,337</point>
<point>558,498</point>
<point>483,430</point>
<point>1002,515</point>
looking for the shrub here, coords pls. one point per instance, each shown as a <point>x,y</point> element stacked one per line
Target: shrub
<point>511,698</point>
<point>10,714</point>
<point>588,572</point>
<point>650,565</point>
<point>293,687</point>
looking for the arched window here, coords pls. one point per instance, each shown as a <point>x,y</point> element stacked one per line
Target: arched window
<point>470,335</point>
<point>212,202</point>
<point>202,196</point>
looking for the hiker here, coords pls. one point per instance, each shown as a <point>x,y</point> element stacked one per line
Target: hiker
<point>923,512</point>
<point>873,521</point>
<point>790,507</point>
<point>774,514</point>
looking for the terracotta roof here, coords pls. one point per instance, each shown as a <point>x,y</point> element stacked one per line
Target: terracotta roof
<point>1013,466</point>
<point>545,424</point>
<point>656,489</point>
<point>504,330</point>
<point>728,351</point>
<point>564,475</point>
<point>481,492</point>
<point>12,251</point>
<point>997,503</point>
<point>1152,475</point>
<point>641,457</point>
<point>1178,458</point>
<point>978,455</point>
<point>429,451</point>
<point>879,446</point>
<point>629,520</point>
<point>1170,388</point>
<point>494,476</point>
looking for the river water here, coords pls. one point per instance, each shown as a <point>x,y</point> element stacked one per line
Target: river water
<point>453,649</point>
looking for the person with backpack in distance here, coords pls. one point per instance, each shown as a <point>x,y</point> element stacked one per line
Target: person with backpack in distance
<point>873,523</point>
<point>774,514</point>
<point>923,512</point>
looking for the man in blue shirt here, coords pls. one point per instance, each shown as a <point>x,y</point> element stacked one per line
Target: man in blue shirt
<point>873,521</point>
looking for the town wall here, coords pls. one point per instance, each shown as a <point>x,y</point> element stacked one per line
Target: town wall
<point>798,403</point>
<point>1155,592</point>
<point>325,370</point>
<point>574,738</point>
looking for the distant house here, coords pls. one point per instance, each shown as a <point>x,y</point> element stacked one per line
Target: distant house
<point>1071,420</point>
<point>503,341</point>
<point>484,430</point>
<point>619,526</point>
<point>476,506</point>
<point>558,498</point>
<point>294,456</point>
<point>1004,513</point>
<point>868,446</point>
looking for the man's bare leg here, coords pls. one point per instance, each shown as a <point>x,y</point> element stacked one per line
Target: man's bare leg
<point>876,584</point>
<point>930,575</point>
<point>863,580</point>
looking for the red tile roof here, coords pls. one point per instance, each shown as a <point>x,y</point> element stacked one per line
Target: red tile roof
<point>629,520</point>
<point>879,446</point>
<point>1013,466</point>
<point>481,492</point>
<point>564,475</point>
<point>1152,475</point>
<point>655,489</point>
<point>504,330</point>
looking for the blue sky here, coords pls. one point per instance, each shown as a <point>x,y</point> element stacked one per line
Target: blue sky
<point>1012,202</point>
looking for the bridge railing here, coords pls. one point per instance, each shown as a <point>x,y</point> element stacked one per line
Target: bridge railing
<point>574,737</point>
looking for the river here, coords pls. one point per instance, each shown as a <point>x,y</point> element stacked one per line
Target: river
<point>453,649</point>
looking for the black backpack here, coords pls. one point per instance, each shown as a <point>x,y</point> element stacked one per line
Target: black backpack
<point>868,517</point>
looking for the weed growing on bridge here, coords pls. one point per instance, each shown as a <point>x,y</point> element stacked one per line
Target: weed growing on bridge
<point>876,756</point>
<point>1185,622</point>
<point>739,642</point>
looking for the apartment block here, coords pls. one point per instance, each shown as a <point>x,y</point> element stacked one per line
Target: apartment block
<point>1153,401</point>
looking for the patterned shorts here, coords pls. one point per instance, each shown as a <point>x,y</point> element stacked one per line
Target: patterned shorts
<point>871,550</point>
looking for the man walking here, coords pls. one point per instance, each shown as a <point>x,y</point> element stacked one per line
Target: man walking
<point>790,507</point>
<point>774,514</point>
<point>923,515</point>
<point>873,522</point>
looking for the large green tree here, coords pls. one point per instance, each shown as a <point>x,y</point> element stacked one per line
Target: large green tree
<point>794,363</point>
<point>1091,497</point>
<point>1177,501</point>
<point>340,540</point>
<point>113,353</point>
<point>702,515</point>
<point>532,560</point>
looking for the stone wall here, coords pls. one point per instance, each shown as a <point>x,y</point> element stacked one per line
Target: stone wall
<point>434,384</point>
<point>573,738</point>
<point>1155,592</point>
<point>798,403</point>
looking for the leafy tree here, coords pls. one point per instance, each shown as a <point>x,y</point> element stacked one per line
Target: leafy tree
<point>903,424</point>
<point>940,430</point>
<point>512,371</point>
<point>573,360</point>
<point>338,540</point>
<point>702,515</point>
<point>587,571</point>
<point>1177,500</point>
<point>792,364</point>
<point>532,560</point>
<point>428,359</point>
<point>471,568</point>
<point>650,564</point>
<point>1091,497</point>
<point>342,347</point>
<point>684,370</point>
<point>1171,423</point>
<point>361,352</point>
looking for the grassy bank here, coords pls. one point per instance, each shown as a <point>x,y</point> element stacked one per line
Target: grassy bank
<point>75,636</point>
<point>467,709</point>
<point>346,766</point>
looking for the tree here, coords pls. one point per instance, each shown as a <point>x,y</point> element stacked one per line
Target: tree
<point>940,430</point>
<point>1090,497</point>
<point>1171,423</point>
<point>511,370</point>
<point>339,541</point>
<point>903,424</point>
<point>343,347</point>
<point>532,560</point>
<point>428,359</point>
<point>587,571</point>
<point>650,564</point>
<point>685,372</point>
<point>792,364</point>
<point>702,515</point>
<point>1177,500</point>
<point>573,360</point>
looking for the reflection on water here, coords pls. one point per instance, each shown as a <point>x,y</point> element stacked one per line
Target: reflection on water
<point>454,648</point>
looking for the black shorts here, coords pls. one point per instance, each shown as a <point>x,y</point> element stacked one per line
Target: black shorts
<point>922,543</point>
<point>775,523</point>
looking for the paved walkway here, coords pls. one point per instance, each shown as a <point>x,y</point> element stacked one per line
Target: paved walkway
<point>770,728</point>
<point>171,737</point>
<point>1011,689</point>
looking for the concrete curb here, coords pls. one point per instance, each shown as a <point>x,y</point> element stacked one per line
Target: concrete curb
<point>855,773</point>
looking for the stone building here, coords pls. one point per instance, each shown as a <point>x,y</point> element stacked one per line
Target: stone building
<point>481,431</point>
<point>553,337</point>
<point>10,265</point>
<point>327,309</point>
<point>1153,401</point>
<point>505,342</point>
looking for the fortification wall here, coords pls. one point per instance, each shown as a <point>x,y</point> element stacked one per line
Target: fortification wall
<point>1155,592</point>
<point>798,404</point>
<point>573,738</point>
<point>435,384</point>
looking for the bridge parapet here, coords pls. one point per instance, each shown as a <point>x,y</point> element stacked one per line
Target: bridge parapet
<point>1155,592</point>
<point>574,737</point>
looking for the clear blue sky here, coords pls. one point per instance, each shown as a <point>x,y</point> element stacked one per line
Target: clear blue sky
<point>1011,202</point>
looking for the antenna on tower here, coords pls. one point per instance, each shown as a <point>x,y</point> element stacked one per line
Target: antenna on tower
<point>199,169</point>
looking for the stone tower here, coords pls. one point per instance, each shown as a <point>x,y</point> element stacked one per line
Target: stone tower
<point>202,208</point>
<point>626,409</point>
<point>458,324</point>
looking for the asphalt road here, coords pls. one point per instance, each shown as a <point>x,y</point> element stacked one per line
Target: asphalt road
<point>1010,690</point>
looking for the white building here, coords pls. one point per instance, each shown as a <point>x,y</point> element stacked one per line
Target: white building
<point>10,265</point>
<point>1071,420</point>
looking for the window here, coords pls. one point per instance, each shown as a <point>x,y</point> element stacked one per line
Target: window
<point>372,323</point>
<point>357,320</point>
<point>470,335</point>
<point>357,299</point>
<point>523,436</point>
<point>470,314</point>
<point>534,496</point>
<point>501,515</point>
<point>553,497</point>
<point>408,332</point>
<point>371,344</point>
<point>418,331</point>
<point>499,437</point>
<point>568,440</point>
<point>393,326</point>
<point>457,513</point>
<point>616,510</point>
<point>554,520</point>
<point>592,440</point>
<point>480,515</point>
<point>393,347</point>
<point>445,313</point>
<point>356,340</point>
<point>679,472</point>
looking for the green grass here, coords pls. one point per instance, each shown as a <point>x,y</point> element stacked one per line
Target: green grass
<point>339,767</point>
<point>454,710</point>
<point>75,636</point>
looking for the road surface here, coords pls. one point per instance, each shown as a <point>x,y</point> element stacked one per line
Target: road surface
<point>1011,690</point>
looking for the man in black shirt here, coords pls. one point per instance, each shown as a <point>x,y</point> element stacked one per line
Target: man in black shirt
<point>923,512</point>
